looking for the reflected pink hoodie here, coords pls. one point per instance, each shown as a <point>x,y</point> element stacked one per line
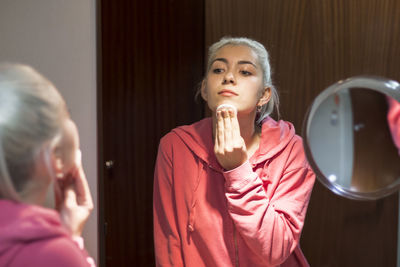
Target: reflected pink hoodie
<point>33,236</point>
<point>393,117</point>
<point>250,216</point>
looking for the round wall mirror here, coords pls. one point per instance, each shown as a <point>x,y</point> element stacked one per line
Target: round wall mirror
<point>351,137</point>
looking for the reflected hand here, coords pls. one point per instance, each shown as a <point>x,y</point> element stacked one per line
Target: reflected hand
<point>229,146</point>
<point>77,201</point>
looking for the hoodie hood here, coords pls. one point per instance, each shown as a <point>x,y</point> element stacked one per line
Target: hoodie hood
<point>21,224</point>
<point>199,139</point>
<point>275,135</point>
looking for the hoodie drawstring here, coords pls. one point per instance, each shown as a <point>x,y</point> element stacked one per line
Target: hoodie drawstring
<point>191,222</point>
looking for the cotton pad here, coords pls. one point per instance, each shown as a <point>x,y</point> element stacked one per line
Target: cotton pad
<point>78,157</point>
<point>228,106</point>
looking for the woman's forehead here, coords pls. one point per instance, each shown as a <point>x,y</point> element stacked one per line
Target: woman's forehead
<point>235,53</point>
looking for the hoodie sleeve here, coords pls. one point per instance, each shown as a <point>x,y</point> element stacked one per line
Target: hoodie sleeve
<point>270,227</point>
<point>166,238</point>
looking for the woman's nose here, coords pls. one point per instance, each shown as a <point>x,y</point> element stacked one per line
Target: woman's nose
<point>229,78</point>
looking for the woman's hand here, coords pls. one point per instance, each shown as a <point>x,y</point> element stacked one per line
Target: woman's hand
<point>77,201</point>
<point>230,148</point>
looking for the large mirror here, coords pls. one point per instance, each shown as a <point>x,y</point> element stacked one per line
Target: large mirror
<point>352,137</point>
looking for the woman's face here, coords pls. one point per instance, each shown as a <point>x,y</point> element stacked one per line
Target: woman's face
<point>68,146</point>
<point>235,77</point>
<point>63,163</point>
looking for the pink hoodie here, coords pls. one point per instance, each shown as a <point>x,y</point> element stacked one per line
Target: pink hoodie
<point>250,216</point>
<point>33,236</point>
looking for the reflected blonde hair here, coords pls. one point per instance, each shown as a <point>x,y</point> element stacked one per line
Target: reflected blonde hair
<point>31,114</point>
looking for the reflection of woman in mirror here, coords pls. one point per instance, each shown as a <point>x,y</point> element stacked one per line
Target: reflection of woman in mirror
<point>232,190</point>
<point>393,118</point>
<point>40,171</point>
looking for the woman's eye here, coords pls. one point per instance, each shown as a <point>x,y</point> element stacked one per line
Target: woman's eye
<point>217,70</point>
<point>245,72</point>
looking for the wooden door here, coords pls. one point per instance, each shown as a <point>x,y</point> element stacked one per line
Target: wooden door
<point>313,44</point>
<point>150,60</point>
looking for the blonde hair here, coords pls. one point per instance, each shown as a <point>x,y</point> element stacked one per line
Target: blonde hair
<point>31,114</point>
<point>263,60</point>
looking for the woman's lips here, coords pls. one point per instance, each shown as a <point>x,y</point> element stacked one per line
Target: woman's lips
<point>226,92</point>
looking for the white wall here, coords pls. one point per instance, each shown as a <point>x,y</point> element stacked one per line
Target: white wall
<point>331,138</point>
<point>58,38</point>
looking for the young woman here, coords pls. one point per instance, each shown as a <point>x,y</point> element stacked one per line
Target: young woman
<point>40,171</point>
<point>233,189</point>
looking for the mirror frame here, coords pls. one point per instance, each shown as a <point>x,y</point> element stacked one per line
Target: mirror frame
<point>383,85</point>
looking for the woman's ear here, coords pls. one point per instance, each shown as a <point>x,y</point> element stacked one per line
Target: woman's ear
<point>203,90</point>
<point>265,97</point>
<point>59,168</point>
<point>58,162</point>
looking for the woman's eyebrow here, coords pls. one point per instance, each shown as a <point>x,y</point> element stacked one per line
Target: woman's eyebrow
<point>220,59</point>
<point>247,62</point>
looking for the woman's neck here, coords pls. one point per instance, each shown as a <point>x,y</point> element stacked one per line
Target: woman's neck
<point>248,131</point>
<point>35,194</point>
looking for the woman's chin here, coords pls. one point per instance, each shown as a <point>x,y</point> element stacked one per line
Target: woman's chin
<point>228,107</point>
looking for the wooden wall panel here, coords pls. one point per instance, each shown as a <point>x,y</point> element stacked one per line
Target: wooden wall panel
<point>313,44</point>
<point>151,60</point>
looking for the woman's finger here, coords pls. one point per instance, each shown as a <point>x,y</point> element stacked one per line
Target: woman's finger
<point>216,143</point>
<point>235,126</point>
<point>220,132</point>
<point>227,130</point>
<point>69,197</point>
<point>83,195</point>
